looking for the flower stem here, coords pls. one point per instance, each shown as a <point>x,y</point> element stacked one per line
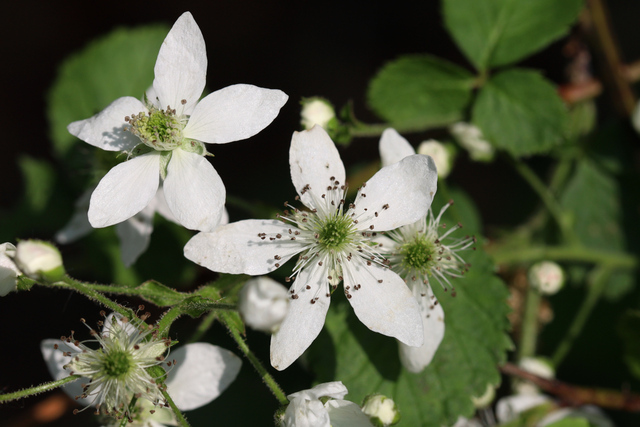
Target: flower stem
<point>529,333</point>
<point>564,253</point>
<point>78,286</point>
<point>596,284</point>
<point>182,421</point>
<point>242,345</point>
<point>37,389</point>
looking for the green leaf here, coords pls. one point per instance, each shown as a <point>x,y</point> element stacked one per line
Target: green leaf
<point>116,65</point>
<point>159,294</point>
<point>492,33</point>
<point>519,111</point>
<point>629,332</point>
<point>475,343</point>
<point>39,177</point>
<point>420,91</point>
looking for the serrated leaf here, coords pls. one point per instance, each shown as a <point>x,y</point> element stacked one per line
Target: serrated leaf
<point>592,196</point>
<point>119,64</point>
<point>421,91</point>
<point>519,111</point>
<point>492,33</point>
<point>475,342</point>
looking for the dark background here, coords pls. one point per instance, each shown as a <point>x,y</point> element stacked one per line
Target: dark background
<point>303,48</point>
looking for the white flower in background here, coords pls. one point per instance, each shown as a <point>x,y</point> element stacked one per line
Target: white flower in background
<point>306,409</point>
<point>164,136</point>
<point>470,137</point>
<point>316,111</point>
<point>38,259</point>
<point>441,156</point>
<point>335,244</point>
<point>419,253</point>
<point>114,373</point>
<point>547,277</point>
<point>263,304</point>
<point>9,272</point>
<point>538,366</point>
<point>382,410</point>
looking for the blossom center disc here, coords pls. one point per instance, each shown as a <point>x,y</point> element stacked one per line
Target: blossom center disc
<point>418,254</point>
<point>117,364</point>
<point>335,233</point>
<point>158,129</point>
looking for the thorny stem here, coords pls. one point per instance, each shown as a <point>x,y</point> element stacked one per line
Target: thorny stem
<point>182,421</point>
<point>242,345</point>
<point>7,397</point>
<point>595,286</point>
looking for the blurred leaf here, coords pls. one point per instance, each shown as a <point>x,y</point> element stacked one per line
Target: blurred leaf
<point>519,111</point>
<point>118,64</point>
<point>39,178</point>
<point>582,119</point>
<point>629,332</point>
<point>593,198</point>
<point>571,422</point>
<point>475,343</point>
<point>463,210</point>
<point>492,33</point>
<point>420,90</point>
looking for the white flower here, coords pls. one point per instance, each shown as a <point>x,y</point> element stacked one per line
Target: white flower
<point>470,137</point>
<point>547,277</point>
<point>381,409</point>
<point>164,136</point>
<point>115,372</point>
<point>334,245</point>
<point>9,272</point>
<point>263,304</point>
<point>538,366</point>
<point>306,409</point>
<point>439,153</point>
<point>316,111</point>
<point>38,259</point>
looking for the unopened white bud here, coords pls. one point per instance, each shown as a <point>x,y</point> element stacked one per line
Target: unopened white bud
<point>263,304</point>
<point>316,111</point>
<point>470,137</point>
<point>381,410</point>
<point>539,366</point>
<point>440,155</point>
<point>8,269</point>
<point>547,277</point>
<point>39,260</point>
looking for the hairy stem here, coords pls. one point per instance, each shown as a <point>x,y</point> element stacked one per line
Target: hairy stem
<point>7,397</point>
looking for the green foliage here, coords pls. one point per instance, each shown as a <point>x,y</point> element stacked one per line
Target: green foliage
<point>493,33</point>
<point>116,65</point>
<point>519,111</point>
<point>420,90</point>
<point>629,332</point>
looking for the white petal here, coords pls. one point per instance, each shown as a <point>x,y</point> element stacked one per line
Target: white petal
<point>160,203</point>
<point>54,360</point>
<point>405,188</point>
<point>8,269</point>
<point>333,389</point>
<point>181,67</point>
<point>194,191</point>
<point>314,159</point>
<point>263,304</point>
<point>346,414</point>
<point>236,248</point>
<point>304,320</point>
<point>387,307</point>
<point>106,129</point>
<point>135,234</point>
<point>78,226</point>
<point>508,408</point>
<point>234,113</point>
<point>303,412</point>
<point>125,190</point>
<point>202,372</point>
<point>415,359</point>
<point>393,147</point>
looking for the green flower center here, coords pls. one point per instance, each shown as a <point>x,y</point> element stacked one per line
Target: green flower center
<point>418,254</point>
<point>158,129</point>
<point>117,364</point>
<point>335,233</point>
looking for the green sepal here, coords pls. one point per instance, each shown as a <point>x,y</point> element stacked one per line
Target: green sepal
<point>139,150</point>
<point>165,158</point>
<point>193,146</point>
<point>24,283</point>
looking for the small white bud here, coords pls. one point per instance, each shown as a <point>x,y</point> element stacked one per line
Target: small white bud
<point>539,366</point>
<point>8,269</point>
<point>547,277</point>
<point>382,410</point>
<point>263,304</point>
<point>440,154</point>
<point>39,260</point>
<point>316,111</point>
<point>470,137</point>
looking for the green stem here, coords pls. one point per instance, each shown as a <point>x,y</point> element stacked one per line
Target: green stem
<point>182,421</point>
<point>91,293</point>
<point>37,389</point>
<point>596,284</point>
<point>564,253</point>
<point>266,377</point>
<point>360,129</point>
<point>529,333</point>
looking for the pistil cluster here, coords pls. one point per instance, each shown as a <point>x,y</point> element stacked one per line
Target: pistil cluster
<point>157,128</point>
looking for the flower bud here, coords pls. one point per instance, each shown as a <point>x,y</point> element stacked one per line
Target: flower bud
<point>263,304</point>
<point>382,410</point>
<point>440,154</point>
<point>8,269</point>
<point>547,277</point>
<point>470,137</point>
<point>316,111</point>
<point>39,260</point>
<point>539,366</point>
